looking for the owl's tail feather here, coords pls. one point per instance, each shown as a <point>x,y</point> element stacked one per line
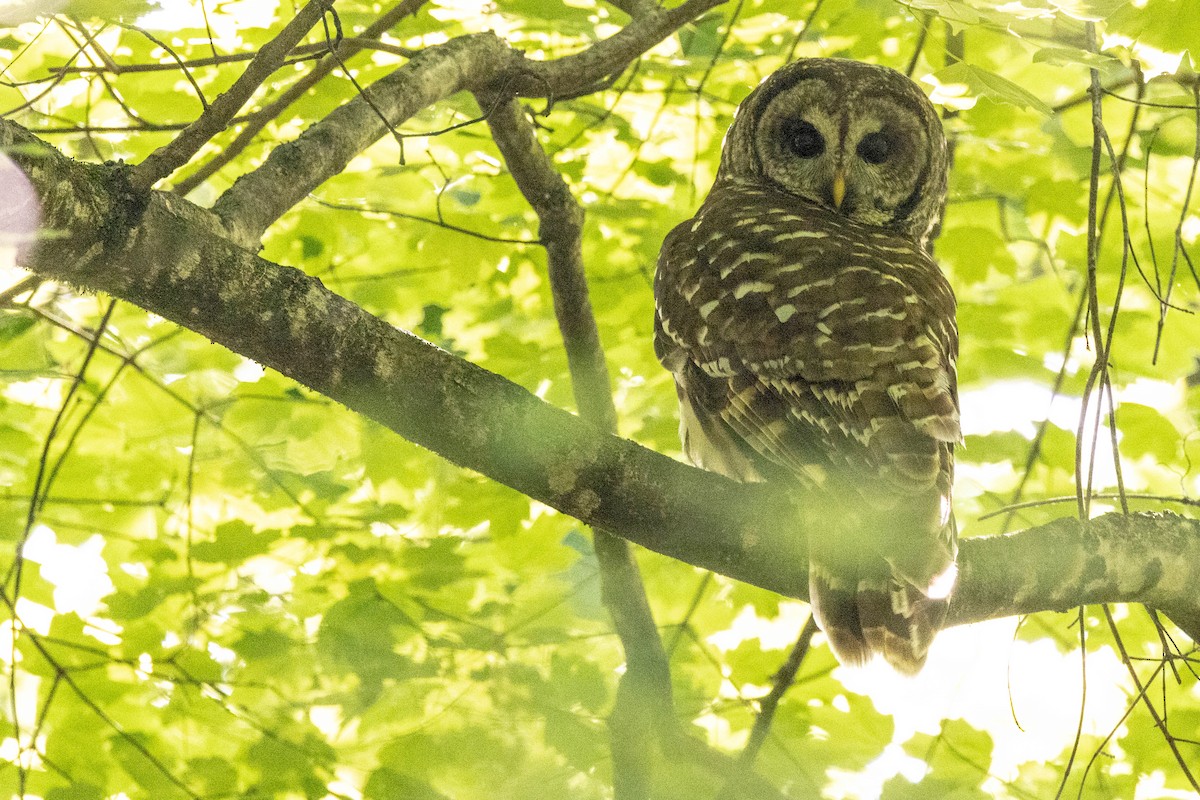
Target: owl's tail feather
<point>879,614</point>
<point>834,606</point>
<point>900,623</point>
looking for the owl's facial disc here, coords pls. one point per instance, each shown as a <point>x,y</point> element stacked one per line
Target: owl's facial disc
<point>856,149</point>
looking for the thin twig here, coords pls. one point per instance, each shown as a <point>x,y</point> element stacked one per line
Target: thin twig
<point>924,20</point>
<point>64,674</point>
<point>1081,621</point>
<point>1048,501</point>
<point>1099,370</point>
<point>1183,215</point>
<point>26,284</point>
<point>187,73</point>
<point>301,52</point>
<point>1158,720</point>
<point>441,223</point>
<point>803,31</point>
<point>782,681</point>
<point>39,483</point>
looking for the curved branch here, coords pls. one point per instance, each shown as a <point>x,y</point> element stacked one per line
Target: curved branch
<point>579,73</point>
<point>167,256</point>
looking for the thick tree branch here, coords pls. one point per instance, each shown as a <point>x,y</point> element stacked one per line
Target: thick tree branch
<point>163,254</point>
<point>1146,558</point>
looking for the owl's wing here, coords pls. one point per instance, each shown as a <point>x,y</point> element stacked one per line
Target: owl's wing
<point>808,346</point>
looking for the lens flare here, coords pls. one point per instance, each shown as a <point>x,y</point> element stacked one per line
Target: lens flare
<point>19,213</point>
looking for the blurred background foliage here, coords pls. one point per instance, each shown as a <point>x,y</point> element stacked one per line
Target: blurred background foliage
<point>228,586</point>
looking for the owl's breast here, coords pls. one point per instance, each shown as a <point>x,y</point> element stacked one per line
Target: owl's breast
<point>795,290</point>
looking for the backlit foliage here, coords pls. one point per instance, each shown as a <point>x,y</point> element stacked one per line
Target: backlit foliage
<point>222,585</point>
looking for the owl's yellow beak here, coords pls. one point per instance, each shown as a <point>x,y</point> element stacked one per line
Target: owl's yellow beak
<point>839,188</point>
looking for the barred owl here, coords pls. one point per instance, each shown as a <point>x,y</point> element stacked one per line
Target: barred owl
<point>812,340</point>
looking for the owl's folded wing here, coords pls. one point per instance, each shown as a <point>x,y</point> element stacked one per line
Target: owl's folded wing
<point>841,325</point>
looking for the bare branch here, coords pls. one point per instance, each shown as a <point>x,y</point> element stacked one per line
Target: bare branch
<point>578,74</point>
<point>263,116</point>
<point>561,231</point>
<point>302,52</point>
<point>1159,722</point>
<point>296,168</point>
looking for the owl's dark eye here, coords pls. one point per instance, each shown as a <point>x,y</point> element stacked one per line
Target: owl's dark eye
<point>802,139</point>
<point>875,147</point>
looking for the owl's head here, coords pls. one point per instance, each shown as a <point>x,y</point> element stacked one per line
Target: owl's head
<point>859,139</point>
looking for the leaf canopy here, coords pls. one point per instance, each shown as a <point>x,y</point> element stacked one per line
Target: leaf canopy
<point>221,583</point>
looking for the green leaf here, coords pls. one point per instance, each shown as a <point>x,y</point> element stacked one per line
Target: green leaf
<point>233,543</point>
<point>660,173</point>
<point>1090,10</point>
<point>898,788</point>
<point>311,247</point>
<point>216,775</point>
<point>76,791</point>
<point>13,325</point>
<point>386,783</point>
<point>135,751</point>
<point>701,38</point>
<point>108,9</point>
<point>291,760</point>
<point>582,741</point>
<point>1166,25</point>
<point>973,253</point>
<point>1146,432</point>
<point>957,14</point>
<point>1071,55</point>
<point>959,758</point>
<point>984,83</point>
<point>268,643</point>
<point>431,320</point>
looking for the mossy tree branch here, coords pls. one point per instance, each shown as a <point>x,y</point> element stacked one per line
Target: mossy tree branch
<point>168,256</point>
